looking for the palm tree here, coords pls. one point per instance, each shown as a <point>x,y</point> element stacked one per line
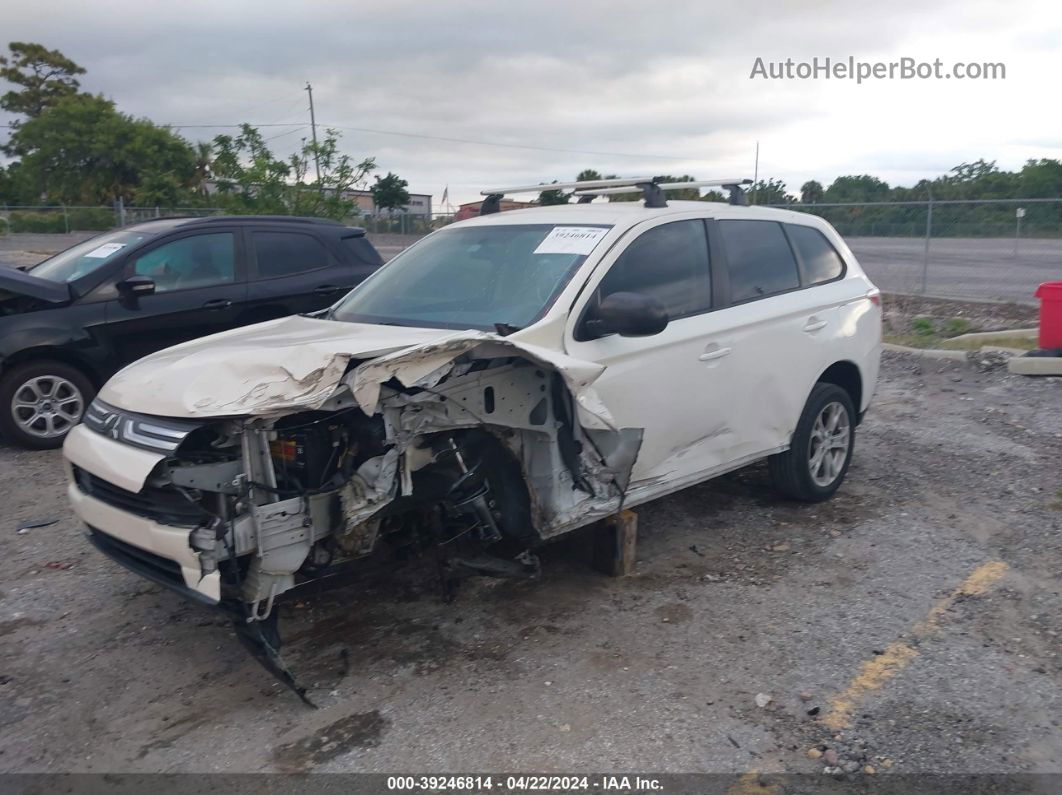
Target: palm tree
<point>204,162</point>
<point>811,192</point>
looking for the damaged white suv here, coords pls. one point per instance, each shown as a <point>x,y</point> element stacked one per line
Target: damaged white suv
<point>505,380</point>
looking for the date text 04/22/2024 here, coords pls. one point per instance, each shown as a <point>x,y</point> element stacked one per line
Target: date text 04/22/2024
<point>524,783</point>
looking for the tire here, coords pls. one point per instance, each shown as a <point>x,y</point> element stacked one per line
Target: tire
<point>795,473</point>
<point>40,401</point>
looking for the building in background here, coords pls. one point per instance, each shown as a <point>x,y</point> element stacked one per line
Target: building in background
<point>419,205</point>
<point>471,209</point>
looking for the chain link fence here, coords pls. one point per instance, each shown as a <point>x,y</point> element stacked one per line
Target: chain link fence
<point>980,249</point>
<point>990,249</point>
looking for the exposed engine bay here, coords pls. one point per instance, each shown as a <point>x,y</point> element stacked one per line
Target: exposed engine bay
<point>472,451</point>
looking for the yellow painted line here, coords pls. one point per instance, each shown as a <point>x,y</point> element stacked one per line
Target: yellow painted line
<point>875,673</point>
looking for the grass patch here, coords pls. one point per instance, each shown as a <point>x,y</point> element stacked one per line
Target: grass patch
<point>1024,343</point>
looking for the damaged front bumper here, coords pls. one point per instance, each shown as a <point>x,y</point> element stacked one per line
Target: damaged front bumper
<point>469,443</point>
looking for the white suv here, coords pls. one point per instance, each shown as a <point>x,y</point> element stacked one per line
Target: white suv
<point>505,380</point>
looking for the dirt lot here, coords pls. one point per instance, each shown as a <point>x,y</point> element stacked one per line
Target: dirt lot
<point>917,613</point>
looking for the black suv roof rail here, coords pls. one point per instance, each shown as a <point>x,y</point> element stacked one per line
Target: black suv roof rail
<point>286,219</point>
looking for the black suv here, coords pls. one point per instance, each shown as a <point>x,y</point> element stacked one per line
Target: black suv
<point>68,323</point>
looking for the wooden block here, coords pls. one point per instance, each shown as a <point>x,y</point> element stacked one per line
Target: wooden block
<point>615,544</point>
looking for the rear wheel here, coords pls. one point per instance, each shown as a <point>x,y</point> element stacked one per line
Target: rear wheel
<point>41,401</point>
<point>815,464</point>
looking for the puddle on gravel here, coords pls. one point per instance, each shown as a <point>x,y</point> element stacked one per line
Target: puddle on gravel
<point>360,730</point>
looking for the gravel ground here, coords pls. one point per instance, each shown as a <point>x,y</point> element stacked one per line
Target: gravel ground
<point>738,596</point>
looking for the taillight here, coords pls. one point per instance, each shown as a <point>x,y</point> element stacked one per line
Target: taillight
<point>875,297</point>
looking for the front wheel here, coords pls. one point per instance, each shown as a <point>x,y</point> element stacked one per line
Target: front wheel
<point>815,464</point>
<point>41,401</point>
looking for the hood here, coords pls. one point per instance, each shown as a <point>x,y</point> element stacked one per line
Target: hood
<point>22,283</point>
<point>280,365</point>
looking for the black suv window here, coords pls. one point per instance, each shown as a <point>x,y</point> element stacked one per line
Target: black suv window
<point>194,261</point>
<point>759,259</point>
<point>821,261</point>
<point>668,262</point>
<point>287,253</point>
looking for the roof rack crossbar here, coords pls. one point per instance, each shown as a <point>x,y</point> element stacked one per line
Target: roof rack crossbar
<point>651,188</point>
<point>584,184</point>
<point>733,186</point>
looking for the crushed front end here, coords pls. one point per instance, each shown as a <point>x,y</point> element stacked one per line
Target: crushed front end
<point>474,451</point>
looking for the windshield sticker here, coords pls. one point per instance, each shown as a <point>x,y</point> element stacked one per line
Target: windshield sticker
<point>105,250</point>
<point>571,240</point>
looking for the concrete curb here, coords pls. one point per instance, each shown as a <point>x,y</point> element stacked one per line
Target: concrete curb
<point>926,353</point>
<point>1035,365</point>
<point>956,299</point>
<point>987,335</point>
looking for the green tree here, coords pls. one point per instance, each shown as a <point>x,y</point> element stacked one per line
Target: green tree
<point>42,77</point>
<point>1040,179</point>
<point>811,192</point>
<point>389,193</point>
<point>252,181</point>
<point>551,197</point>
<point>857,188</point>
<point>771,191</point>
<point>82,150</point>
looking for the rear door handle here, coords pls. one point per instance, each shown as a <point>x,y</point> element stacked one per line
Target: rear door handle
<point>814,324</point>
<point>218,303</point>
<point>715,353</point>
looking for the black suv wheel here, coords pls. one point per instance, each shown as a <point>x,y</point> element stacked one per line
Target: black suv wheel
<point>41,401</point>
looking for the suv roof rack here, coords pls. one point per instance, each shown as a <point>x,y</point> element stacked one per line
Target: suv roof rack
<point>289,219</point>
<point>651,188</point>
<point>733,186</point>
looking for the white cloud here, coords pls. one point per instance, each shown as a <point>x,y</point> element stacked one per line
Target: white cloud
<point>669,79</point>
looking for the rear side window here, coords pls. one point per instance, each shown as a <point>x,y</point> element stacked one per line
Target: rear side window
<point>668,262</point>
<point>362,251</point>
<point>287,253</point>
<point>759,259</point>
<point>821,261</point>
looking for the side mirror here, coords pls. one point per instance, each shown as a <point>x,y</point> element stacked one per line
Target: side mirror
<point>136,286</point>
<point>629,315</point>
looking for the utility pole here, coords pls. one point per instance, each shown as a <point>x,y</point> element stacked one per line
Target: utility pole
<point>929,234</point>
<point>1018,214</point>
<point>313,131</point>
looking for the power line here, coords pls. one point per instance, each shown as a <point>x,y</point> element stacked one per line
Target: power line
<point>507,145</point>
<point>445,139</point>
<point>281,135</point>
<point>217,126</point>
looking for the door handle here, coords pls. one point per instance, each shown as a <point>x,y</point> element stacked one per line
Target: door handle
<point>715,353</point>
<point>326,289</point>
<point>814,324</point>
<point>218,303</point>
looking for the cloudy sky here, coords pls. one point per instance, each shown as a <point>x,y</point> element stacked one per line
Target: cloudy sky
<point>472,94</point>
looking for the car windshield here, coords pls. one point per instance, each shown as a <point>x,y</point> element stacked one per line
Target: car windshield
<point>82,259</point>
<point>473,277</point>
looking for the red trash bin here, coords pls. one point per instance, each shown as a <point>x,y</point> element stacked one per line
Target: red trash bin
<point>1050,295</point>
